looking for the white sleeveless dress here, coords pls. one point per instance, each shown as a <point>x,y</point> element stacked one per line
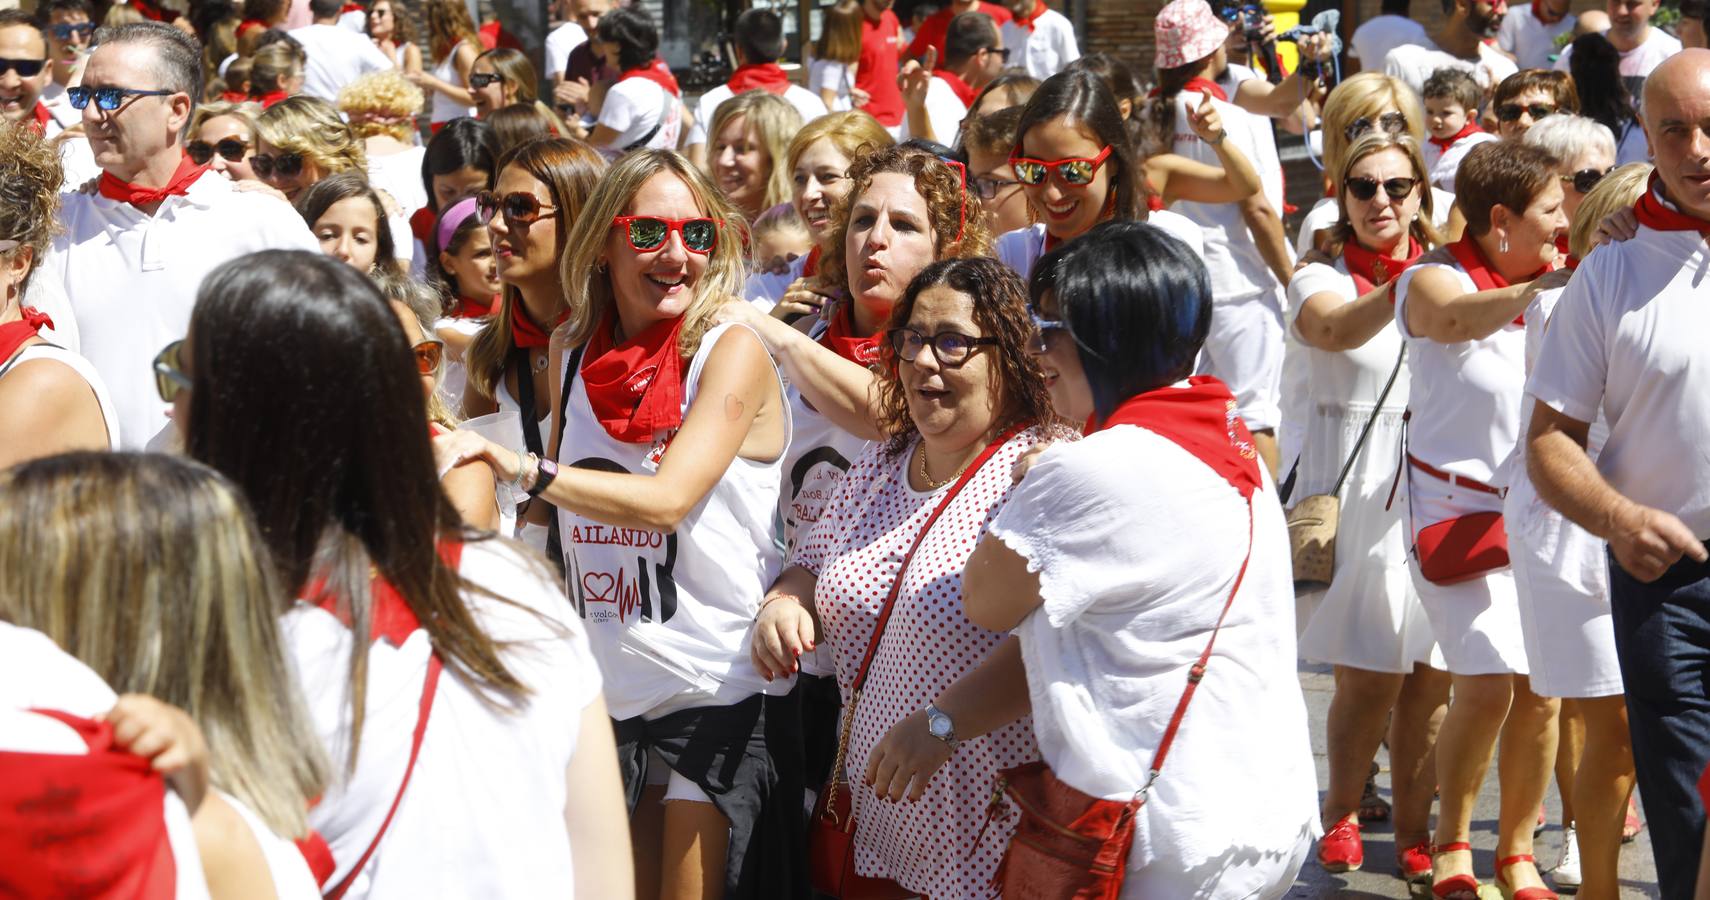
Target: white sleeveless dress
<point>444,108</point>
<point>84,370</point>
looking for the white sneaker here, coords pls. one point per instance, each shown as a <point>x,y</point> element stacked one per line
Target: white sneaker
<point>1566,873</point>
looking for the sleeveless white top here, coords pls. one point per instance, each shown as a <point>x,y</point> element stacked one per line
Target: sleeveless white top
<point>84,370</point>
<point>292,879</point>
<point>668,614</point>
<point>444,108</point>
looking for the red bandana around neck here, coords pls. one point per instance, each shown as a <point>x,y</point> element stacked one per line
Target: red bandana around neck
<point>1656,215</point>
<point>40,117</point>
<point>840,338</point>
<point>810,266</point>
<point>125,192</point>
<point>268,99</point>
<point>14,334</point>
<point>1543,17</point>
<point>248,25</point>
<point>635,388</point>
<point>1039,9</point>
<point>964,93</point>
<point>769,77</point>
<point>352,7</point>
<point>1484,275</point>
<point>658,73</point>
<point>526,334</point>
<point>1373,270</point>
<point>469,308</point>
<point>1471,128</point>
<point>234,96</point>
<point>1202,420</point>
<point>391,617</point>
<point>1196,86</point>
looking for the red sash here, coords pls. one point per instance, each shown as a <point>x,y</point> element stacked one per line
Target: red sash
<point>1372,270</point>
<point>769,77</point>
<point>1039,9</point>
<point>635,388</point>
<point>1444,144</point>
<point>268,99</point>
<point>840,339</point>
<point>234,96</point>
<point>40,118</point>
<point>1202,420</point>
<point>1653,214</point>
<point>964,93</point>
<point>1472,260</point>
<point>125,192</point>
<point>526,334</point>
<point>1196,86</point>
<point>658,73</point>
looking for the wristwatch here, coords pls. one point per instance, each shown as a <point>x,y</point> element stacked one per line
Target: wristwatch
<point>545,471</point>
<point>938,724</point>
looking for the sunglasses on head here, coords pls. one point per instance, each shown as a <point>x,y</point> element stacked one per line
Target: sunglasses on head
<point>1391,122</point>
<point>1586,179</point>
<point>1510,112</point>
<point>169,377</point>
<point>648,233</point>
<point>518,208</point>
<point>482,79</point>
<point>284,165</point>
<point>230,149</point>
<point>428,354</point>
<point>952,349</point>
<point>64,31</point>
<point>1367,188</point>
<point>107,98</point>
<point>26,68</point>
<point>1072,171</point>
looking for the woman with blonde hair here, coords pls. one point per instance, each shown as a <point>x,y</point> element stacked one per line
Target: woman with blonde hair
<point>302,140</point>
<point>503,76</point>
<point>150,570</point>
<point>831,73</point>
<point>275,73</point>
<point>750,133</point>
<point>394,35</point>
<point>1368,624</point>
<point>452,47</point>
<point>381,108</point>
<point>672,436</point>
<point>223,137</point>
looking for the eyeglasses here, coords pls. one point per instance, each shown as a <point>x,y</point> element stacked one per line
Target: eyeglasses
<point>428,354</point>
<point>26,68</point>
<point>1510,112</point>
<point>986,187</point>
<point>1391,122</point>
<point>107,98</point>
<point>1043,328</point>
<point>169,377</point>
<point>649,233</point>
<point>1002,52</point>
<point>64,31</point>
<point>1366,188</point>
<point>519,208</point>
<point>482,79</point>
<point>284,165</point>
<point>1585,179</point>
<point>1072,171</point>
<point>231,149</point>
<point>952,349</point>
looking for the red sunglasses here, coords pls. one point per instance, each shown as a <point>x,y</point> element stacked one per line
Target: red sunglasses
<point>1074,171</point>
<point>648,233</point>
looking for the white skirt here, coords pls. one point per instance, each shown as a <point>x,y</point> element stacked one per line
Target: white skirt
<point>1562,574</point>
<point>1476,622</point>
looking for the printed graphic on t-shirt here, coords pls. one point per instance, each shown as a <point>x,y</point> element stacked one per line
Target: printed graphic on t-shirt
<point>813,480</point>
<point>643,590</point>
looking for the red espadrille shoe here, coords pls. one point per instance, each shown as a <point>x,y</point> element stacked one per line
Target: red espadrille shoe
<point>1454,887</point>
<point>1340,849</point>
<point>1413,864</point>
<point>1525,893</point>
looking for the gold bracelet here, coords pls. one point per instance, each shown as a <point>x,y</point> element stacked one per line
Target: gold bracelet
<point>768,600</point>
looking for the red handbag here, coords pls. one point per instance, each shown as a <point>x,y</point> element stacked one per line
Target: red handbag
<point>831,833</point>
<point>1070,845</point>
<point>1462,548</point>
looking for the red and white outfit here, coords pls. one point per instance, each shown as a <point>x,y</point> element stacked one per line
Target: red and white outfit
<point>483,814</point>
<point>876,69</point>
<point>1530,34</point>
<point>933,31</point>
<point>1044,40</point>
<point>1465,422</point>
<point>1443,155</point>
<point>644,106</point>
<point>928,845</point>
<point>15,333</point>
<point>764,77</point>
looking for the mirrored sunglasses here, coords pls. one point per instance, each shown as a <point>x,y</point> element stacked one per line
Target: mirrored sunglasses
<point>107,98</point>
<point>1043,328</point>
<point>169,377</point>
<point>230,149</point>
<point>1073,171</point>
<point>1391,122</point>
<point>428,354</point>
<point>65,30</point>
<point>648,233</point>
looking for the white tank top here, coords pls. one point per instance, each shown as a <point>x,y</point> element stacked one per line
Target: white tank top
<point>444,108</point>
<point>668,615</point>
<point>292,879</point>
<point>84,370</point>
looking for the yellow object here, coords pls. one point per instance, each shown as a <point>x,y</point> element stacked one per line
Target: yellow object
<point>1286,14</point>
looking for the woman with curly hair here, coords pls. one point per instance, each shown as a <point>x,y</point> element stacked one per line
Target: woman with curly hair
<point>453,46</point>
<point>381,108</point>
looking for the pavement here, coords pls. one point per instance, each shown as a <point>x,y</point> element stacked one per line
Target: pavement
<point>1377,879</point>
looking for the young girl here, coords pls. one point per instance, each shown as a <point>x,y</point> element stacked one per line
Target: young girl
<point>349,221</point>
<point>466,270</point>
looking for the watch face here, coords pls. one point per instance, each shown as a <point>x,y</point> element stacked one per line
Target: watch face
<point>939,725</point>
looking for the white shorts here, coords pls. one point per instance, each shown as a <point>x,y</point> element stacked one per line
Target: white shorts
<point>1562,574</point>
<point>1476,622</point>
<point>1245,350</point>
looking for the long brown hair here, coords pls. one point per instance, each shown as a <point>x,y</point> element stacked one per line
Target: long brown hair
<point>448,24</point>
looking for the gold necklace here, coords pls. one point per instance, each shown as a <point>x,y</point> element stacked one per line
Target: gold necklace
<point>927,479</point>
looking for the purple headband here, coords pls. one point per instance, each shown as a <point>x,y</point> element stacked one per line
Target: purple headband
<point>453,218</point>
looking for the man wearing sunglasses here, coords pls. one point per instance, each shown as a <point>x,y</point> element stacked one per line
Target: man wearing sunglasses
<point>1459,41</point>
<point>938,93</point>
<point>69,31</point>
<point>133,252</point>
<point>23,73</point>
<point>336,55</point>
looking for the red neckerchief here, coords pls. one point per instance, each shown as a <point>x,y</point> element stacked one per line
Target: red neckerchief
<point>268,99</point>
<point>1545,18</point>
<point>964,93</point>
<point>839,338</point>
<point>390,615</point>
<point>658,73</point>
<point>125,192</point>
<point>1373,270</point>
<point>635,388</point>
<point>769,77</point>
<point>1484,275</point>
<point>152,12</point>
<point>89,824</point>
<point>1200,419</point>
<point>1572,262</point>
<point>526,334</point>
<point>14,334</point>
<point>234,96</point>
<point>1444,144</point>
<point>352,7</point>
<point>472,309</point>
<point>1195,86</point>
<point>1653,214</point>
<point>810,266</point>
<point>421,224</point>
<point>1039,9</point>
<point>40,118</point>
<point>248,25</point>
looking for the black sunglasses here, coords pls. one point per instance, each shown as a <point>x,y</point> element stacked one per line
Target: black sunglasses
<point>1366,188</point>
<point>107,98</point>
<point>64,31</point>
<point>1391,122</point>
<point>230,149</point>
<point>284,165</point>
<point>1586,179</point>
<point>518,208</point>
<point>26,68</point>
<point>1510,112</point>
<point>952,349</point>
<point>482,79</point>
<point>1002,52</point>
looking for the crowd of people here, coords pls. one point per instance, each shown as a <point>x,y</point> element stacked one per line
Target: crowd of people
<point>421,475</point>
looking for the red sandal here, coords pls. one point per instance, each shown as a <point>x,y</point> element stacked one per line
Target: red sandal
<point>1525,893</point>
<point>1455,887</point>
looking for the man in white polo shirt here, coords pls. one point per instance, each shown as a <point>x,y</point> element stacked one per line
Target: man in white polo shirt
<point>132,254</point>
<point>759,41</point>
<point>337,55</point>
<point>1039,37</point>
<point>1628,340</point>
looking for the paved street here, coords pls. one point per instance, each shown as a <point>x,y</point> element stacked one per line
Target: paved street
<point>1638,873</point>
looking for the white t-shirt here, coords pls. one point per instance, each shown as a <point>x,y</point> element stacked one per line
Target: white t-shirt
<point>1322,217</point>
<point>944,112</point>
<point>132,278</point>
<point>1020,249</point>
<point>1414,63</point>
<point>805,101</point>
<point>1626,339</point>
<point>400,174</point>
<point>633,106</point>
<point>764,289</point>
<point>1636,64</point>
<point>1047,48</point>
<point>355,21</point>
<point>337,56</point>
<point>483,815</point>
<point>1531,41</point>
<point>825,75</point>
<point>1443,164</point>
<point>1136,544</point>
<point>559,43</point>
<point>1231,255</point>
<point>1373,40</point>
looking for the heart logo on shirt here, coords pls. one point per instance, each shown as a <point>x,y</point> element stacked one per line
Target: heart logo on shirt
<point>598,587</point>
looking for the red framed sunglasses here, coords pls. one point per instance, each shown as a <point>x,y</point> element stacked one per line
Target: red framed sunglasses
<point>648,233</point>
<point>1074,171</point>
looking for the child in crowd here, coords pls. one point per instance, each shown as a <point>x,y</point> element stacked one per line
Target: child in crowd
<point>1451,117</point>
<point>780,237</point>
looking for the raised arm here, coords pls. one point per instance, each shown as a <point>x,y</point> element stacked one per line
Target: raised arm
<point>1439,307</point>
<point>842,391</point>
<point>1326,322</point>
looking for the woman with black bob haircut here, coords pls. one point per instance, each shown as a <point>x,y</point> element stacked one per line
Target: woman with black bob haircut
<point>290,350</point>
<point>1118,559</point>
<point>461,161</point>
